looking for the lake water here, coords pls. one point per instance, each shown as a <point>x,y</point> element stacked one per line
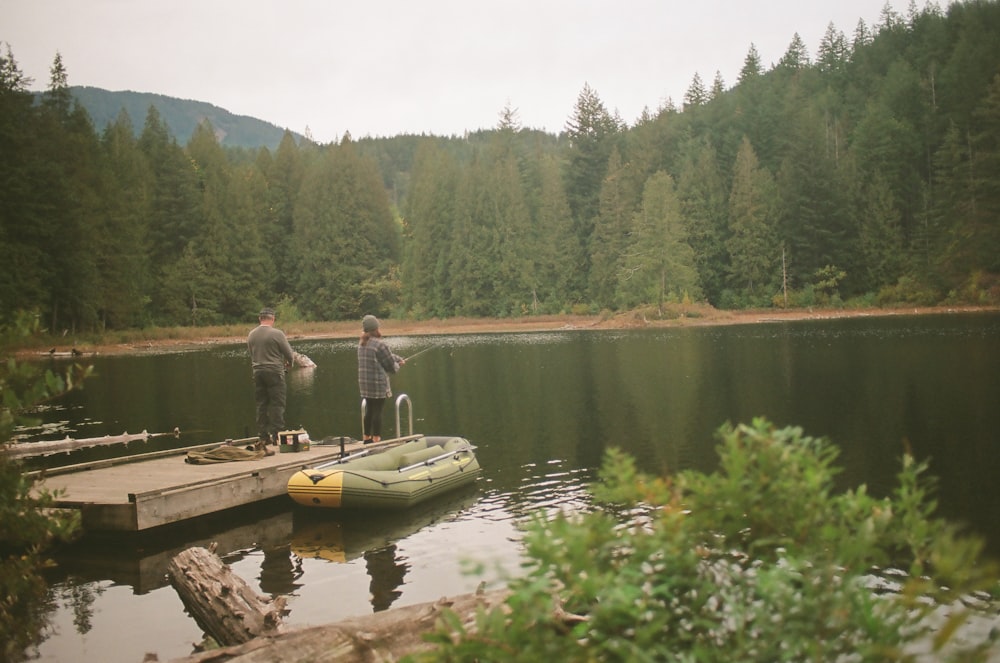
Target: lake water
<point>542,409</point>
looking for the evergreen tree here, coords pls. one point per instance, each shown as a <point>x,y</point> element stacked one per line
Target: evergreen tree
<point>223,275</point>
<point>796,56</point>
<point>659,263</point>
<point>512,226</point>
<point>889,138</point>
<point>813,215</point>
<point>174,219</point>
<point>834,53</point>
<point>122,255</point>
<point>984,224</point>
<point>196,286</point>
<point>23,215</point>
<point>966,219</point>
<point>696,94</point>
<point>611,234</point>
<point>752,68</point>
<point>491,251</point>
<point>58,99</point>
<point>557,249</point>
<point>429,226</point>
<point>592,134</point>
<point>756,112</point>
<point>346,239</point>
<point>881,241</point>
<point>704,208</point>
<point>718,87</point>
<point>283,178</point>
<point>71,197</point>
<point>884,142</point>
<point>753,246</point>
<point>509,120</point>
<point>862,36</point>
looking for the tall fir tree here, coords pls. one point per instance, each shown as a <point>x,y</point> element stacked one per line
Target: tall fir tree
<point>611,234</point>
<point>557,249</point>
<point>123,254</point>
<point>283,179</point>
<point>659,262</point>
<point>880,238</point>
<point>813,198</point>
<point>72,197</point>
<point>704,207</point>
<point>175,217</point>
<point>593,133</point>
<point>984,225</point>
<point>429,232</point>
<point>753,246</point>
<point>24,217</point>
<point>346,238</point>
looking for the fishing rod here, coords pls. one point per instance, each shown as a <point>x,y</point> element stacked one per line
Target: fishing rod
<point>417,354</point>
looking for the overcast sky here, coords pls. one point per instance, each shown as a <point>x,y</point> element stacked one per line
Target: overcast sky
<point>382,68</point>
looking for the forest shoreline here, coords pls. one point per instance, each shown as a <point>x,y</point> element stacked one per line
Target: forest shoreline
<point>694,316</point>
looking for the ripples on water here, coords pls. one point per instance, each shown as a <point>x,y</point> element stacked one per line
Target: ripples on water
<point>542,408</point>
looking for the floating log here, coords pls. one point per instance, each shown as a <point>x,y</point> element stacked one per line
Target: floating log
<point>47,448</point>
<point>68,353</point>
<point>224,606</point>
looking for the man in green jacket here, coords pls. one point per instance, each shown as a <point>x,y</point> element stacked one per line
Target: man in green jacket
<point>270,356</point>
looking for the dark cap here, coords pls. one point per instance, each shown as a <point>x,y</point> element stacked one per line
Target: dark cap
<point>266,313</point>
<point>369,323</point>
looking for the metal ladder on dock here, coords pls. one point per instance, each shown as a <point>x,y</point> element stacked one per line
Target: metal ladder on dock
<point>400,400</point>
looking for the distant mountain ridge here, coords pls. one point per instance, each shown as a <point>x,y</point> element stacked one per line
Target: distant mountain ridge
<point>182,116</point>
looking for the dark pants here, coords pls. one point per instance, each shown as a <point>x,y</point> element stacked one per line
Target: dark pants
<point>373,417</point>
<point>269,392</point>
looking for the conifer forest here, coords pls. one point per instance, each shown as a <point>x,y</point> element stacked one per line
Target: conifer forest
<point>863,170</point>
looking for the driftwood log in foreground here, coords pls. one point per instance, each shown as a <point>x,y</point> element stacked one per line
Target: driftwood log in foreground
<point>381,636</point>
<point>224,606</point>
<point>249,626</point>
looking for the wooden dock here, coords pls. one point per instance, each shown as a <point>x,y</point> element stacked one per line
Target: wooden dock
<point>138,493</point>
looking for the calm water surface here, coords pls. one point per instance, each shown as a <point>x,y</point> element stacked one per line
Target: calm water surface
<point>542,408</point>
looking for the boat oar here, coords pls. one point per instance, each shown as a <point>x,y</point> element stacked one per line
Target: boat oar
<point>356,454</point>
<point>431,461</point>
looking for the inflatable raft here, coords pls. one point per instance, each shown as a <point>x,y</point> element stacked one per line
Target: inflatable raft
<point>392,478</point>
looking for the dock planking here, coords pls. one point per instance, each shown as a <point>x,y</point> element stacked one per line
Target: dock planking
<point>140,493</point>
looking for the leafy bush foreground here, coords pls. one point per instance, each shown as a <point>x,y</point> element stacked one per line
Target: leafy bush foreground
<point>28,525</point>
<point>759,561</point>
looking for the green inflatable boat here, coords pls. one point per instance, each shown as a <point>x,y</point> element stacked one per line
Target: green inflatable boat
<point>394,478</point>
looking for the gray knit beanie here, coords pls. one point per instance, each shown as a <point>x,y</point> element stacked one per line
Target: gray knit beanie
<point>369,323</point>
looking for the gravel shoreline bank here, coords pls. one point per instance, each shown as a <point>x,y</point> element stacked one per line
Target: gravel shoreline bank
<point>696,316</point>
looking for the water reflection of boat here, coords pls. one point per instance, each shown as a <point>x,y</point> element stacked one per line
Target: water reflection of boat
<point>396,477</point>
<point>340,537</point>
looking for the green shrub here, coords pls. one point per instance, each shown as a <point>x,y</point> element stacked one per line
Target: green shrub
<point>26,527</point>
<point>907,291</point>
<point>980,289</point>
<point>759,561</point>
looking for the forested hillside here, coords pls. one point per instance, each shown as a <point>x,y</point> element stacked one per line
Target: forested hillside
<point>182,116</point>
<point>866,171</point>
